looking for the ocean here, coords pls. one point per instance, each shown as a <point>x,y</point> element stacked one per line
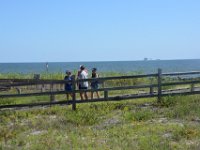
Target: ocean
<point>149,66</point>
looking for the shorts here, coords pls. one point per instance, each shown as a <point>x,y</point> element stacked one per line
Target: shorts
<point>83,88</point>
<point>94,85</point>
<point>68,88</point>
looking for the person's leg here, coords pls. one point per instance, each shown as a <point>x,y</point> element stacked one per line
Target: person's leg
<point>81,95</point>
<point>86,97</point>
<point>67,95</point>
<point>79,87</point>
<point>97,94</point>
<point>92,93</point>
<point>71,95</point>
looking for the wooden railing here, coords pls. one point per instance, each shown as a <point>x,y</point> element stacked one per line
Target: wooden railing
<point>47,87</point>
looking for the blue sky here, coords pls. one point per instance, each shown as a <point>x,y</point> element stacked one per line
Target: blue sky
<point>98,30</point>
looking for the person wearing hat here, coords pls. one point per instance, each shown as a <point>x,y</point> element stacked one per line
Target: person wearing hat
<point>68,85</point>
<point>94,83</point>
<point>83,74</point>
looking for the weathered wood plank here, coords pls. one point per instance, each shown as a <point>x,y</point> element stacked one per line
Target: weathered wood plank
<point>74,93</point>
<point>181,73</point>
<point>181,83</point>
<point>36,104</point>
<point>159,85</point>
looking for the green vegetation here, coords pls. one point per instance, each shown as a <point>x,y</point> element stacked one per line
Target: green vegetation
<point>133,124</point>
<point>139,124</point>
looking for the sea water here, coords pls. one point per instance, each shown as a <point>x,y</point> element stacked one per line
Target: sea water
<point>149,66</point>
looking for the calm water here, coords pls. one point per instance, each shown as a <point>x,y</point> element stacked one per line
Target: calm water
<point>114,66</point>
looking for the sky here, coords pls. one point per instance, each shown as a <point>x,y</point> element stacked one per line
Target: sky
<point>98,30</point>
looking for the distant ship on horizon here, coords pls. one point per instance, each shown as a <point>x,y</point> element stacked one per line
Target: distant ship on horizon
<point>147,59</point>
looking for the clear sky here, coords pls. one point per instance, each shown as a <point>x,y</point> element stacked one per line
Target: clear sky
<point>98,30</point>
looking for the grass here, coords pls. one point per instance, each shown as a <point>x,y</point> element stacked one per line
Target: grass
<point>139,124</point>
<point>130,124</point>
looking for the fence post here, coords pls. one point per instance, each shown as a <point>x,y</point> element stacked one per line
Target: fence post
<point>43,88</point>
<point>192,87</point>
<point>106,95</point>
<point>18,90</point>
<point>52,96</point>
<point>151,90</point>
<point>74,93</point>
<point>159,84</point>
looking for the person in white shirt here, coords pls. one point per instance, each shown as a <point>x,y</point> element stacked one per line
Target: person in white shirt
<point>83,74</point>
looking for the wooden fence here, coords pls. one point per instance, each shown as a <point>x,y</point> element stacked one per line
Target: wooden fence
<point>55,87</point>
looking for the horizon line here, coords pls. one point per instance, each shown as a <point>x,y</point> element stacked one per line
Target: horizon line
<point>148,59</point>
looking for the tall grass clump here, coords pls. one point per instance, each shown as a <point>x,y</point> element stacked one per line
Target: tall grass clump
<point>182,107</point>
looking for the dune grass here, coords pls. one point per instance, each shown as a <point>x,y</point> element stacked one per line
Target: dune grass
<point>131,124</point>
<point>139,124</point>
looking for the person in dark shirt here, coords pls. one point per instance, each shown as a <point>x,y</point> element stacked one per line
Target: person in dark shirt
<point>94,83</point>
<point>68,85</point>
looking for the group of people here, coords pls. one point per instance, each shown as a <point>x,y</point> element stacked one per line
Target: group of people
<point>82,85</point>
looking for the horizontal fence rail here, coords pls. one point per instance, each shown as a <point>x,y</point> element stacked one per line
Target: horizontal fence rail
<point>156,87</point>
<point>181,73</point>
